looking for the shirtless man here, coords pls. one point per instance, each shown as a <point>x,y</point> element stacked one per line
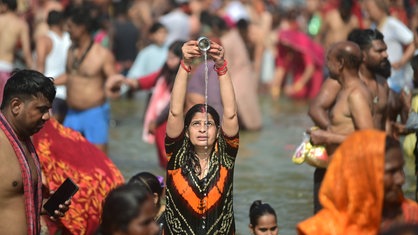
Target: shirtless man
<point>352,109</point>
<point>374,69</point>
<point>88,66</point>
<point>25,108</point>
<point>13,30</point>
<point>338,23</point>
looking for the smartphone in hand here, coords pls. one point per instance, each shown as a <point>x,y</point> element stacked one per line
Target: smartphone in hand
<point>65,191</point>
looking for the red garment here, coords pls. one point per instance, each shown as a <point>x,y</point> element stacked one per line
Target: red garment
<point>32,193</point>
<point>305,52</point>
<point>160,144</point>
<point>66,153</point>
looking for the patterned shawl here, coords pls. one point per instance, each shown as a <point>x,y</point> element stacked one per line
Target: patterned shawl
<point>66,153</point>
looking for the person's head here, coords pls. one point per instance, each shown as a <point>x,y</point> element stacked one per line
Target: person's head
<point>158,33</point>
<point>28,97</point>
<point>55,18</point>
<point>394,176</point>
<point>345,9</point>
<point>81,23</point>
<point>174,55</point>
<point>11,5</point>
<point>343,56</point>
<point>172,64</point>
<point>195,124</point>
<point>129,210</point>
<point>376,9</point>
<point>374,50</point>
<point>150,182</point>
<point>263,219</point>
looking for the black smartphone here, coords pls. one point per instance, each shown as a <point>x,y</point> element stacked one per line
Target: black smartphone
<point>65,191</point>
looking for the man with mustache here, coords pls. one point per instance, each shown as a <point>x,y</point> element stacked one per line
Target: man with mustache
<point>373,71</point>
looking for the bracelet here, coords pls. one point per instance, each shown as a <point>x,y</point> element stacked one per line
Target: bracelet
<point>223,67</point>
<point>221,70</point>
<point>186,68</point>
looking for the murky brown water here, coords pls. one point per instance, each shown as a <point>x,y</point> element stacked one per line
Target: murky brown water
<point>264,169</point>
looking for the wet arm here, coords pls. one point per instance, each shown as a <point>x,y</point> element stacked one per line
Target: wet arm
<point>109,65</point>
<point>230,117</point>
<point>43,47</point>
<point>320,106</point>
<point>175,123</point>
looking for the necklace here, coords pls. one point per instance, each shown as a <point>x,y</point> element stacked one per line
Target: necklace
<point>78,61</point>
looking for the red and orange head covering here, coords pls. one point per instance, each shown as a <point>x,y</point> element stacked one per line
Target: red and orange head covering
<point>352,191</point>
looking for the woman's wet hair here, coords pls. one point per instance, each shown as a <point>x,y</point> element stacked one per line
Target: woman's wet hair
<point>121,206</point>
<point>259,209</point>
<point>200,108</point>
<point>149,181</point>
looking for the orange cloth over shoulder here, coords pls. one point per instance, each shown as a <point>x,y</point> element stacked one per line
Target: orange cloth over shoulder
<point>352,191</point>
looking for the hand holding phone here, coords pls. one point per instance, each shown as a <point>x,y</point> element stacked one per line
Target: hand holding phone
<point>63,193</point>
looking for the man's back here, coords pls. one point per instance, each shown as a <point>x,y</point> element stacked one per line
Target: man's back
<point>12,29</point>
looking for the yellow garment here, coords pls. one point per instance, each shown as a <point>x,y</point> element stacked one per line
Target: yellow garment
<point>352,191</point>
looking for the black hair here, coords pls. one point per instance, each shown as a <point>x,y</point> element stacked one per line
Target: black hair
<point>55,18</point>
<point>121,206</point>
<point>150,182</point>
<point>86,16</point>
<point>155,27</point>
<point>345,9</point>
<point>169,74</point>
<point>25,84</point>
<point>11,4</point>
<point>192,162</point>
<point>258,209</point>
<point>200,108</point>
<point>364,37</point>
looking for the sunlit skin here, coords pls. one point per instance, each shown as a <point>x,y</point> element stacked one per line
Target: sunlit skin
<point>144,224</point>
<point>266,225</point>
<point>197,132</point>
<point>37,113</point>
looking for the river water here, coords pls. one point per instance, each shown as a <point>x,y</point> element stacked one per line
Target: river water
<point>264,169</point>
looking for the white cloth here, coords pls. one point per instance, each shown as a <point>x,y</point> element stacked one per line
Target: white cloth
<point>6,66</point>
<point>177,24</point>
<point>56,59</point>
<point>149,60</point>
<point>396,36</point>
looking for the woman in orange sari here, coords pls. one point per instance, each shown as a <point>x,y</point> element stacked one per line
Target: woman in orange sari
<point>362,189</point>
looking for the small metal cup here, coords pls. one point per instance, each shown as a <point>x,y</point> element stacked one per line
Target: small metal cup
<point>203,43</point>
